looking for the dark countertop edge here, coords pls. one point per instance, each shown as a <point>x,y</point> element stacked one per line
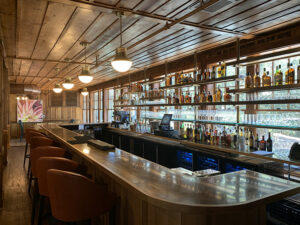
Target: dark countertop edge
<point>184,207</point>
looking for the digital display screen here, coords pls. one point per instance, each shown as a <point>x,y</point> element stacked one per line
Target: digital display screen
<point>81,127</point>
<point>166,119</point>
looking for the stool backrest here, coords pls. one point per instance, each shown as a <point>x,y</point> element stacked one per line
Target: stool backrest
<point>30,132</point>
<point>74,197</point>
<point>44,151</point>
<point>43,164</point>
<point>37,141</point>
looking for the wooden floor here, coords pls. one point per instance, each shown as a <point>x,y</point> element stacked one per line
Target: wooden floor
<point>17,203</point>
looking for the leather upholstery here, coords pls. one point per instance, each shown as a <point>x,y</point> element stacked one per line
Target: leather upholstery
<point>43,164</point>
<point>39,141</point>
<point>32,133</point>
<point>44,151</point>
<point>74,197</point>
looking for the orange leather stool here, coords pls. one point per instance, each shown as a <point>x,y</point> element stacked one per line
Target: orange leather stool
<point>34,143</point>
<point>74,197</point>
<point>29,133</point>
<point>43,164</point>
<point>36,153</point>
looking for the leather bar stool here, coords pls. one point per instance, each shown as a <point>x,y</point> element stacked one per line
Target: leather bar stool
<point>75,198</point>
<point>29,132</point>
<point>36,153</point>
<point>34,143</point>
<point>43,164</point>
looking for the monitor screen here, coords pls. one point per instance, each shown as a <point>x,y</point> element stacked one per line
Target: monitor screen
<point>81,127</point>
<point>166,119</point>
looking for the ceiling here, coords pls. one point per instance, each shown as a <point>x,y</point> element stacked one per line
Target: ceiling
<point>39,35</point>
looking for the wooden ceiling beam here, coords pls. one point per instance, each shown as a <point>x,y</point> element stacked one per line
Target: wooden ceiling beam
<point>103,7</point>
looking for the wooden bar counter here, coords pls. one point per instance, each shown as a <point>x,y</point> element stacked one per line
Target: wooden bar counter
<point>151,194</point>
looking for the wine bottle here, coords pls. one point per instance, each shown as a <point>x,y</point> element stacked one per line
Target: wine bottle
<point>251,141</point>
<point>269,143</point>
<point>262,144</point>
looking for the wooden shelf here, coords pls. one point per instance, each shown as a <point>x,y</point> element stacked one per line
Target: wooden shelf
<point>279,101</point>
<point>152,98</point>
<point>211,81</point>
<point>264,89</point>
<point>269,126</point>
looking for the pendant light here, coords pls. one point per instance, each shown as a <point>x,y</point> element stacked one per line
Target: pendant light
<point>57,89</point>
<point>68,83</point>
<point>121,63</point>
<point>85,76</point>
<point>84,92</point>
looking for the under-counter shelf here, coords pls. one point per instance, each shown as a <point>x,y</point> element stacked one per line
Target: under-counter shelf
<point>265,89</point>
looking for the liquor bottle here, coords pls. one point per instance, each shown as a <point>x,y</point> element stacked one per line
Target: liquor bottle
<point>169,99</point>
<point>223,69</point>
<point>235,137</point>
<point>207,74</point>
<point>247,137</point>
<point>267,80</point>
<point>262,144</point>
<point>202,96</point>
<point>227,96</point>
<point>182,130</point>
<point>291,77</point>
<point>269,143</point>
<point>174,99</point>
<point>209,97</point>
<point>251,141</point>
<point>219,70</point>
<point>298,73</point>
<point>255,142</point>
<point>278,76</point>
<point>168,81</point>
<point>248,81</point>
<point>181,78</point>
<point>186,98</point>
<point>196,98</point>
<point>181,98</point>
<point>219,95</point>
<point>263,77</point>
<point>204,75</point>
<point>199,75</point>
<point>187,133</point>
<point>213,73</point>
<point>211,137</point>
<point>214,97</point>
<point>256,79</point>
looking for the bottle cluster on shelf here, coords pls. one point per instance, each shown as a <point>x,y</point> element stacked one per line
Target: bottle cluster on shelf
<point>196,76</point>
<point>225,137</point>
<point>266,80</point>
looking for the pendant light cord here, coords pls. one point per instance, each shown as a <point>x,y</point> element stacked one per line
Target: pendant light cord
<point>121,31</point>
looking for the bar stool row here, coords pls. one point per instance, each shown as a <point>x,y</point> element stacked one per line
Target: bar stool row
<point>72,196</point>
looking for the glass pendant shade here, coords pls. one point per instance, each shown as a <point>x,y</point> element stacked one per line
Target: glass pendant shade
<point>121,63</point>
<point>84,92</point>
<point>57,88</point>
<point>85,75</point>
<point>68,83</point>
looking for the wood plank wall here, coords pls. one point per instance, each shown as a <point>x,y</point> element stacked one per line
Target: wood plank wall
<point>61,114</point>
<point>4,112</point>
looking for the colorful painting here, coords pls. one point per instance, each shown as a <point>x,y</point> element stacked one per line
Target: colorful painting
<point>29,110</point>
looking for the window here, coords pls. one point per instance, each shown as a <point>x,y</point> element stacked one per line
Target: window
<point>96,107</point>
<point>109,104</point>
<point>86,110</point>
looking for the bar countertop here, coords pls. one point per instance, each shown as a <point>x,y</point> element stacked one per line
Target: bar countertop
<point>160,185</point>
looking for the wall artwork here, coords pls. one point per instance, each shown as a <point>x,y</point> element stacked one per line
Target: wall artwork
<point>30,110</point>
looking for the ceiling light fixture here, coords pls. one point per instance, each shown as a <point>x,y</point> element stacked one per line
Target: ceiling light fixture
<point>68,83</point>
<point>84,92</point>
<point>121,63</point>
<point>85,76</point>
<point>57,89</point>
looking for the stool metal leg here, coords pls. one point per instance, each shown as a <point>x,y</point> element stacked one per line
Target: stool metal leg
<point>41,207</point>
<point>29,184</point>
<point>29,168</point>
<point>25,154</point>
<point>34,200</point>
